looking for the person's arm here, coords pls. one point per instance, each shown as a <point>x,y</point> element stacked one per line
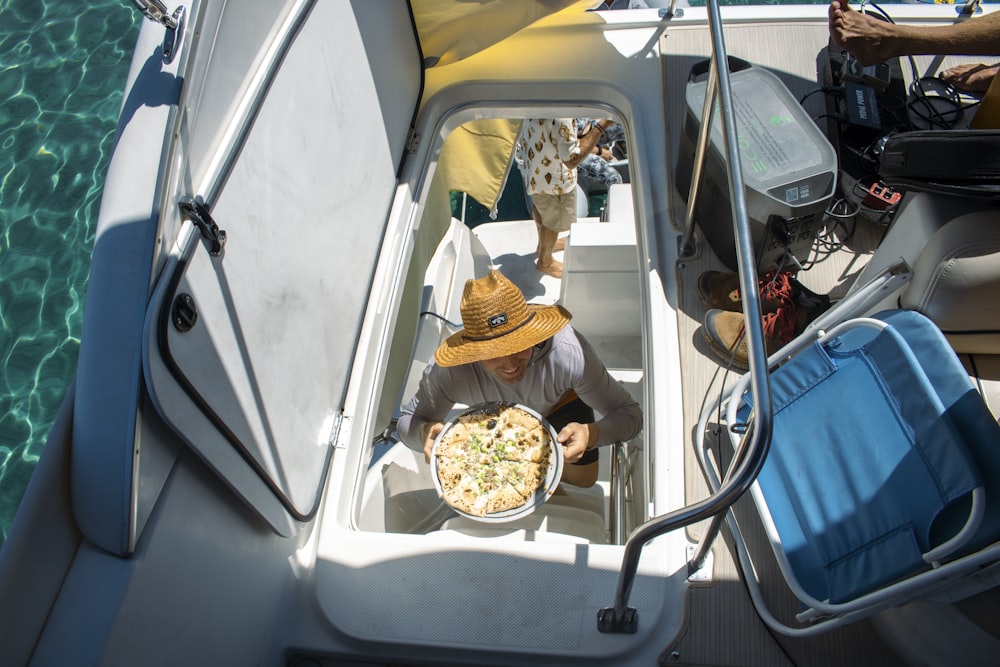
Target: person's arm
<point>871,40</point>
<point>521,146</point>
<point>587,143</point>
<point>423,417</point>
<point>621,416</point>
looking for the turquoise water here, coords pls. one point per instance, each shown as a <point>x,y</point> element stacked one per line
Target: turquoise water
<point>62,72</point>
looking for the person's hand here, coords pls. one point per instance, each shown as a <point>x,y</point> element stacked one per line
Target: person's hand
<point>430,432</point>
<point>970,78</point>
<point>604,153</point>
<point>576,439</point>
<point>864,36</point>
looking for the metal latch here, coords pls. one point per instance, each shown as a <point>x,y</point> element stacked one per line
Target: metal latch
<point>155,10</point>
<point>196,209</point>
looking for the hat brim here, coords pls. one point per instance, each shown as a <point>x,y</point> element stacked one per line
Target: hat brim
<point>547,321</point>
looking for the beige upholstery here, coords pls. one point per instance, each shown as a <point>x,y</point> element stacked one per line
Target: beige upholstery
<point>956,282</point>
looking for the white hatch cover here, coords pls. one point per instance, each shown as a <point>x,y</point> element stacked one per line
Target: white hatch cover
<point>253,347</point>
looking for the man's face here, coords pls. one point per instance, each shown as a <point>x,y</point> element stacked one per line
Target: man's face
<point>510,368</point>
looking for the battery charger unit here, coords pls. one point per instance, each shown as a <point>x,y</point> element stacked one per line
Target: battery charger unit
<point>789,169</point>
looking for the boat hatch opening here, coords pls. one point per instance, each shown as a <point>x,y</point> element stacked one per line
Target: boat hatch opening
<point>250,344</point>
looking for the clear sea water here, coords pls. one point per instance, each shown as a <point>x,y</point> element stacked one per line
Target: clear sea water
<point>62,73</point>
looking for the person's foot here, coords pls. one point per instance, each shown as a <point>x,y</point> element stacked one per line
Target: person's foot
<point>558,246</point>
<point>552,268</point>
<point>970,78</point>
<point>862,35</point>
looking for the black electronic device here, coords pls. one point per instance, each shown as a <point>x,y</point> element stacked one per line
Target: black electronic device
<point>857,137</point>
<point>878,76</point>
<point>861,106</point>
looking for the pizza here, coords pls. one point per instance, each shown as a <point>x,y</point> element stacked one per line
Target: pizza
<point>490,461</point>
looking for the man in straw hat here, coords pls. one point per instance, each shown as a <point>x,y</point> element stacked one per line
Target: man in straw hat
<point>511,351</point>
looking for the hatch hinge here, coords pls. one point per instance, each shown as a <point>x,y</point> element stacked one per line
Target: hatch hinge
<point>341,431</point>
<point>156,11</point>
<point>196,209</point>
<point>412,141</point>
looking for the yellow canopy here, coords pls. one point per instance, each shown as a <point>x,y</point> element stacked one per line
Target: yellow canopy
<point>475,157</point>
<point>450,30</point>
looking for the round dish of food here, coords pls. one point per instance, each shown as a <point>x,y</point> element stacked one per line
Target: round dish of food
<point>496,462</point>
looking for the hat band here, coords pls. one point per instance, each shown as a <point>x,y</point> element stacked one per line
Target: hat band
<point>476,339</point>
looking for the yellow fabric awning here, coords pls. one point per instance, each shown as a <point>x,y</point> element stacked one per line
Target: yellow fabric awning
<point>475,157</point>
<point>450,30</point>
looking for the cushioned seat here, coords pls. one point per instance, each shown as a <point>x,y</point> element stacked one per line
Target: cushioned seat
<point>880,453</point>
<point>956,277</point>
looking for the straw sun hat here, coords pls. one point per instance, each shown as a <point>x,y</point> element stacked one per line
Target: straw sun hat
<point>498,322</point>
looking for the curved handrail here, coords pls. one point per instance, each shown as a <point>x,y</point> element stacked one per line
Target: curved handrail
<point>757,438</point>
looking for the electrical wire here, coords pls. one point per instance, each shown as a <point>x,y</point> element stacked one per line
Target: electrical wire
<point>835,91</point>
<point>925,105</point>
<point>442,318</point>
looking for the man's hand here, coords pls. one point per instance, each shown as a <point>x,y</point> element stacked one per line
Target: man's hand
<point>576,439</point>
<point>430,433</point>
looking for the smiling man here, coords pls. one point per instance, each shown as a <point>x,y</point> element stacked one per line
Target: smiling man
<point>511,351</point>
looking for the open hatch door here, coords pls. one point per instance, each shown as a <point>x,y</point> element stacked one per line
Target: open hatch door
<point>250,343</point>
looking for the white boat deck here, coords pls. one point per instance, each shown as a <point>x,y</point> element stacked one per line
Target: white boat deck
<point>222,573</point>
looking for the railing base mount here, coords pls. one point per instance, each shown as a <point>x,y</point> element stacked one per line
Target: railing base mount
<point>610,622</point>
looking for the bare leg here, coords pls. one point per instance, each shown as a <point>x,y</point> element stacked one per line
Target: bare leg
<point>538,227</point>
<point>546,242</point>
<point>971,78</point>
<point>560,244</point>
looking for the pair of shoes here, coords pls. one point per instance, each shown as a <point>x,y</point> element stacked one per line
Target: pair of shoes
<point>721,289</point>
<point>783,318</point>
<point>724,331</point>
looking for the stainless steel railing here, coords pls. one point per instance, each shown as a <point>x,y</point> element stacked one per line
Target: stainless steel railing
<point>621,492</point>
<point>756,438</point>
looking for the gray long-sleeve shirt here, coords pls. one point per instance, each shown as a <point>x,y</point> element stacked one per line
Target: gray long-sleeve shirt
<point>565,361</point>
